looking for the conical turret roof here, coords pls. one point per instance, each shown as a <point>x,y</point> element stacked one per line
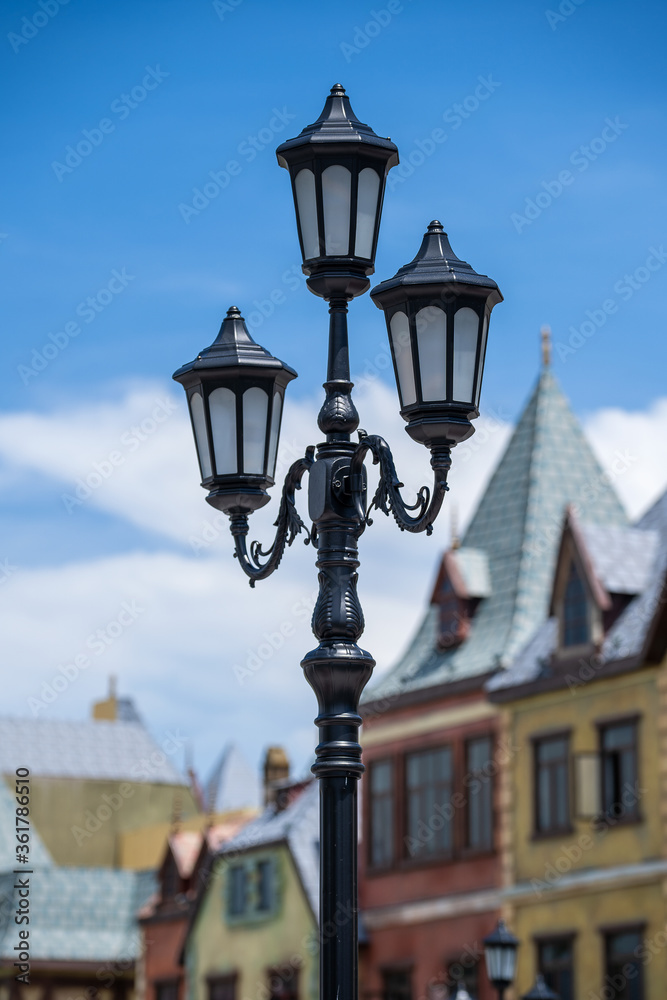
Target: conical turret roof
<point>547,465</point>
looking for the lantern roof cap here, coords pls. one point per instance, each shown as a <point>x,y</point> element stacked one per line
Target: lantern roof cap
<point>435,264</point>
<point>234,347</point>
<point>500,935</point>
<point>338,123</point>
<point>540,991</point>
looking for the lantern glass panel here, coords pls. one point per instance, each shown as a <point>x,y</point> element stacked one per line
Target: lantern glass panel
<point>400,342</point>
<point>255,411</point>
<point>480,371</point>
<point>432,346</point>
<point>306,202</point>
<point>367,201</point>
<point>201,437</point>
<point>466,325</point>
<point>275,428</point>
<point>222,408</point>
<point>336,196</point>
<point>500,963</point>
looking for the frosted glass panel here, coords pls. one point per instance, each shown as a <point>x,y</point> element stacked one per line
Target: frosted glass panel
<point>466,324</point>
<point>400,342</point>
<point>255,409</point>
<point>304,185</point>
<point>275,428</point>
<point>485,330</point>
<point>222,407</point>
<point>201,437</point>
<point>432,346</point>
<point>367,201</point>
<point>336,184</point>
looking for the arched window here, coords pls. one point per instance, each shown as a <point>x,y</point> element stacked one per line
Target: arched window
<point>576,626</point>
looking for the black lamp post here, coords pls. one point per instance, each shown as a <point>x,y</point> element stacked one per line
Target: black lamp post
<point>437,310</point>
<point>500,948</point>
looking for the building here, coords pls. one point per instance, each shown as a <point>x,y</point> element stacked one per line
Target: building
<point>94,781</point>
<point>81,941</point>
<point>433,854</point>
<point>585,814</point>
<point>253,930</point>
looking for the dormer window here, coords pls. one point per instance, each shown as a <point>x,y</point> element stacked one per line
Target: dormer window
<point>576,612</point>
<point>463,582</point>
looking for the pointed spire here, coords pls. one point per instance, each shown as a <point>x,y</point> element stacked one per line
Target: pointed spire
<point>545,334</point>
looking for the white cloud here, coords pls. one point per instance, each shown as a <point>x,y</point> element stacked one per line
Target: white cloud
<point>199,619</point>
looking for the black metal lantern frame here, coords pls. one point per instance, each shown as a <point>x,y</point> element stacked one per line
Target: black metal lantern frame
<point>338,262</point>
<point>338,506</point>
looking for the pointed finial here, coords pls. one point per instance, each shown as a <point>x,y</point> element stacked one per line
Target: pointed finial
<point>454,529</point>
<point>545,333</point>
<point>338,90</point>
<point>234,312</point>
<point>112,685</point>
<point>435,227</point>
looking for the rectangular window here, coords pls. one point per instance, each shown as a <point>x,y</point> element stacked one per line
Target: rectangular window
<point>222,987</point>
<point>396,984</point>
<point>238,890</point>
<point>264,885</point>
<point>618,751</point>
<point>622,966</point>
<point>381,780</point>
<point>284,982</point>
<point>168,989</point>
<point>428,795</point>
<point>552,784</point>
<point>555,960</point>
<point>479,793</point>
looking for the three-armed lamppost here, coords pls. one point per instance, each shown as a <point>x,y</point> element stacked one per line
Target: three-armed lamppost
<point>437,310</point>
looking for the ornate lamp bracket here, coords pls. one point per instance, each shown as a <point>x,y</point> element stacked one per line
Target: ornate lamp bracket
<point>288,523</point>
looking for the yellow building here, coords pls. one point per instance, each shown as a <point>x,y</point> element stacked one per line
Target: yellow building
<point>584,797</point>
<point>253,932</point>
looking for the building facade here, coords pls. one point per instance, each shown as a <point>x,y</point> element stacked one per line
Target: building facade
<point>585,819</point>
<point>434,866</point>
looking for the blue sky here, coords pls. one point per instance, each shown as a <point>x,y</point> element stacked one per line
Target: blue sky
<point>574,88</point>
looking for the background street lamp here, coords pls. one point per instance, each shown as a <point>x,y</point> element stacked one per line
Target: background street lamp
<point>437,310</point>
<point>540,991</point>
<point>500,948</point>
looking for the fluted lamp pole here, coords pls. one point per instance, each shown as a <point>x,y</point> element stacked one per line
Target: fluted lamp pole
<point>437,311</point>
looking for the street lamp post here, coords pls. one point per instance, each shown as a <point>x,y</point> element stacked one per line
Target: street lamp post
<point>437,310</point>
<point>500,950</point>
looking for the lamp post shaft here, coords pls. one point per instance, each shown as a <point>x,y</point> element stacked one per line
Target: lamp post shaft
<point>337,670</point>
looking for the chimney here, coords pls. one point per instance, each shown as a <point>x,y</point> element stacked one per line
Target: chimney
<point>276,769</point>
<point>107,709</point>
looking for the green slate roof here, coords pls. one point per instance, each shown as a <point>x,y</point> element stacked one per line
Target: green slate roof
<point>547,465</point>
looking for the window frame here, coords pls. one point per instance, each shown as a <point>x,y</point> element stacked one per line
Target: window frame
<point>612,930</point>
<point>606,816</point>
<point>250,865</point>
<point>373,865</point>
<point>406,969</point>
<point>489,784</point>
<point>433,857</point>
<point>225,978</point>
<point>538,739</point>
<point>569,937</point>
<point>167,982</point>
<point>274,972</point>
<point>573,574</point>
